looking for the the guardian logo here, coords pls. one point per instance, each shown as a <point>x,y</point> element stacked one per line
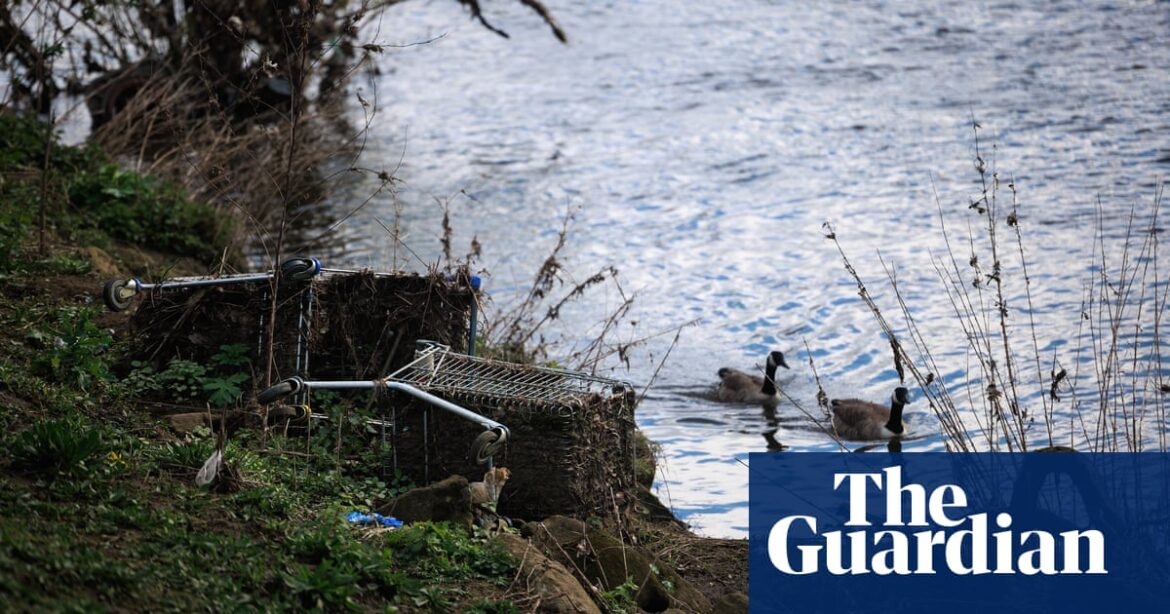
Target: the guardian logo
<point>930,534</point>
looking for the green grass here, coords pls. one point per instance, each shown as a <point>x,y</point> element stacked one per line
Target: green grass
<point>55,446</point>
<point>98,506</point>
<point>143,210</point>
<point>104,515</point>
<point>119,532</point>
<point>89,199</point>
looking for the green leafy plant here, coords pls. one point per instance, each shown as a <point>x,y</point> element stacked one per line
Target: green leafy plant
<point>226,390</point>
<point>323,586</point>
<point>90,199</point>
<point>323,541</point>
<point>145,210</point>
<point>22,146</point>
<point>493,607</point>
<point>182,380</point>
<point>141,382</point>
<point>231,355</point>
<point>440,550</point>
<point>67,263</point>
<point>328,542</point>
<point>184,456</point>
<point>266,502</point>
<point>53,446</point>
<point>432,598</point>
<point>621,597</point>
<point>14,223</point>
<point>76,348</point>
<point>221,384</point>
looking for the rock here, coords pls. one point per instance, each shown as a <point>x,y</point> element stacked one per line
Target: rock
<point>561,529</point>
<point>448,500</point>
<point>559,592</point>
<point>731,603</point>
<point>101,263</point>
<point>649,507</point>
<point>606,561</point>
<point>185,423</point>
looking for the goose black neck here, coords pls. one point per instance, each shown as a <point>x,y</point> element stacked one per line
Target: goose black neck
<point>769,387</point>
<point>895,424</point>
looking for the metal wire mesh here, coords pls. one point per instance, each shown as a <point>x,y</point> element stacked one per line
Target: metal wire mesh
<point>438,370</point>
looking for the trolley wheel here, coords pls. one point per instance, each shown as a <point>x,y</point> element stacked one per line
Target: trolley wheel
<point>290,412</point>
<point>300,269</point>
<point>487,444</point>
<point>279,391</point>
<point>289,415</point>
<point>116,295</point>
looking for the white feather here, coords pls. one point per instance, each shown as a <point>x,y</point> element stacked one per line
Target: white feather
<point>210,469</point>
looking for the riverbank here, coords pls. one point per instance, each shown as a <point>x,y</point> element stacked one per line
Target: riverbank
<point>98,505</point>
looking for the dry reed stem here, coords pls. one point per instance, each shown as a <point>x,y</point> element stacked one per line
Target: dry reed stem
<point>1123,301</point>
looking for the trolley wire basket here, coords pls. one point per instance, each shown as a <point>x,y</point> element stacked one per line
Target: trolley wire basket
<point>498,384</point>
<point>571,437</point>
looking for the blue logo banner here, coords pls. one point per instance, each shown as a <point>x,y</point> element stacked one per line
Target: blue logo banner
<point>954,533</point>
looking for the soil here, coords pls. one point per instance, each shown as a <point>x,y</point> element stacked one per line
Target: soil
<point>715,566</point>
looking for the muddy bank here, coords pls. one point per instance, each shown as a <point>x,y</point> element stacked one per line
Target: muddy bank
<point>630,561</point>
<point>576,484</point>
<point>107,418</point>
<point>578,473</point>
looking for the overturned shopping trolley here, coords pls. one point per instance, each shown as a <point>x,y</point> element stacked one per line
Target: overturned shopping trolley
<point>569,439</point>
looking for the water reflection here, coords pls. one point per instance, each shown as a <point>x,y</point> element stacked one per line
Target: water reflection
<point>771,426</point>
<point>706,145</point>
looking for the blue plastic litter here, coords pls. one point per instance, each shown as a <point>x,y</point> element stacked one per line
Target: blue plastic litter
<point>373,518</point>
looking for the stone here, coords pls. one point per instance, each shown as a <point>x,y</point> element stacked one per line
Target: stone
<point>649,507</point>
<point>608,562</point>
<point>448,500</point>
<point>186,423</point>
<point>101,263</point>
<point>557,590</point>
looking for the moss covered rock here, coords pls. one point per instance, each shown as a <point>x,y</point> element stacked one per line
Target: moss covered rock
<point>606,561</point>
<point>558,591</point>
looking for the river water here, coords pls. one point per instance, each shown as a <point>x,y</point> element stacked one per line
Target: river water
<point>702,146</point>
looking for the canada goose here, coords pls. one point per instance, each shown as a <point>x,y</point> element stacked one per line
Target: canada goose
<point>864,421</point>
<point>739,387</point>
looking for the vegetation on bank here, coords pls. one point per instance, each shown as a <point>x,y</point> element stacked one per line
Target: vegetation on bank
<point>78,196</point>
<point>1097,385</point>
<point>98,507</point>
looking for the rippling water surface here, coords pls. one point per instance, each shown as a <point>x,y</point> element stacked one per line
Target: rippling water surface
<point>703,145</point>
